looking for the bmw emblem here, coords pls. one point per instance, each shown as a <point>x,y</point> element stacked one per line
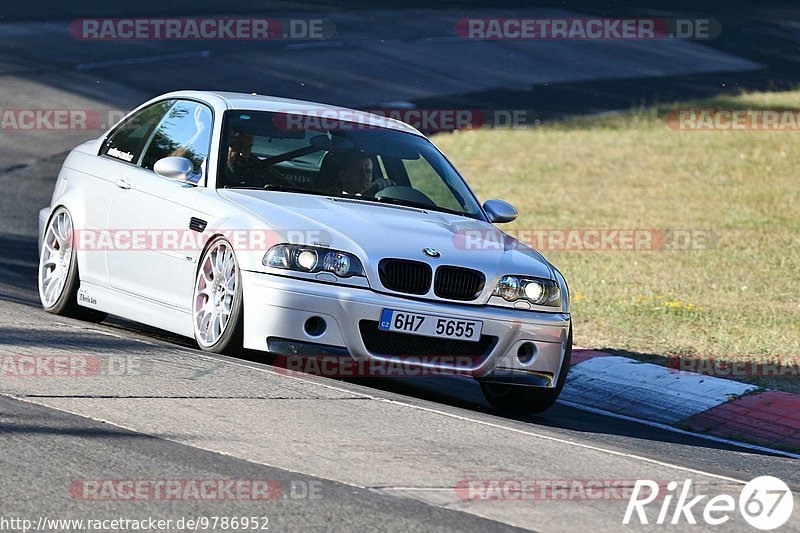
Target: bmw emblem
<point>430,252</point>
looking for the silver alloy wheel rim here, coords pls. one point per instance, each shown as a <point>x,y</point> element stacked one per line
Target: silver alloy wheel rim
<point>214,292</point>
<point>55,258</point>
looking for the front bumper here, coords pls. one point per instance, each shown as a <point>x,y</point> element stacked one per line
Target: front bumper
<point>277,307</point>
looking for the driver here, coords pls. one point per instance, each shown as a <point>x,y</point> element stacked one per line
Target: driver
<point>243,168</point>
<point>354,171</point>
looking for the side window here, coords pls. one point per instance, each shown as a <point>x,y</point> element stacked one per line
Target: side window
<point>184,132</point>
<point>127,141</point>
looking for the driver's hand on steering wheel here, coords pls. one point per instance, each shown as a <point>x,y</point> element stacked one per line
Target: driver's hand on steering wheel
<point>377,185</point>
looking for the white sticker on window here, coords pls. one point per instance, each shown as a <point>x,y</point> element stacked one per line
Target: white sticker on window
<point>119,154</point>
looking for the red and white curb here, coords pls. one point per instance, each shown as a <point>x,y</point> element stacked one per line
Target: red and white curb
<point>707,405</point>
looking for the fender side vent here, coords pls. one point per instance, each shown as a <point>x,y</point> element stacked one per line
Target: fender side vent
<point>197,224</point>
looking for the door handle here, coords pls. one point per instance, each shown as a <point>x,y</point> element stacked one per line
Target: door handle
<point>122,183</point>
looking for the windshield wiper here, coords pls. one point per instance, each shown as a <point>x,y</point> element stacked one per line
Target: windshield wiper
<point>291,188</point>
<point>279,188</point>
<point>418,205</point>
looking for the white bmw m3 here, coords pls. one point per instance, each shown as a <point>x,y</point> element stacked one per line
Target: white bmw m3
<point>301,229</point>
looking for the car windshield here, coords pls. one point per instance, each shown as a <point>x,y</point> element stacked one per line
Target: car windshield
<point>309,155</point>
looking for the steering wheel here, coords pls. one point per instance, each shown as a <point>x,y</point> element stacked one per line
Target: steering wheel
<point>408,194</point>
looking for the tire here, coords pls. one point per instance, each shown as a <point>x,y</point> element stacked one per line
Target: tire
<point>217,314</point>
<point>58,276</point>
<point>521,399</point>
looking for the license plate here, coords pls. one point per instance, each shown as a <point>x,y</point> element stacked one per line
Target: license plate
<point>430,325</point>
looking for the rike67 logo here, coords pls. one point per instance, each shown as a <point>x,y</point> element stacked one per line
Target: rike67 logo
<point>765,503</point>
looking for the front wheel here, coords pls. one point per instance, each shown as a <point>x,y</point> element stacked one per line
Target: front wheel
<point>523,399</point>
<point>217,300</point>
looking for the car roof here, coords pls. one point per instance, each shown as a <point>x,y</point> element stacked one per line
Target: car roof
<point>258,102</point>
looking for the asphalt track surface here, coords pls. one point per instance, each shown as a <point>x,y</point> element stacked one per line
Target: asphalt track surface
<point>368,455</point>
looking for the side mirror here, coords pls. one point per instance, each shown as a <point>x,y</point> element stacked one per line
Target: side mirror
<point>174,168</point>
<point>499,211</point>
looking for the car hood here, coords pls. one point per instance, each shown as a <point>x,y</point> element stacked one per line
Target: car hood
<point>374,231</point>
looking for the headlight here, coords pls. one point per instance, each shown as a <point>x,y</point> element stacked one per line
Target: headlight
<point>303,258</point>
<point>306,259</point>
<point>338,263</point>
<point>534,290</point>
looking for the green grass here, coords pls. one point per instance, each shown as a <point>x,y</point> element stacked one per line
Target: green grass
<point>737,300</point>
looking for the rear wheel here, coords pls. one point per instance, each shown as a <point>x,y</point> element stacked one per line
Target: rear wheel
<point>217,301</point>
<point>58,270</point>
<point>528,400</point>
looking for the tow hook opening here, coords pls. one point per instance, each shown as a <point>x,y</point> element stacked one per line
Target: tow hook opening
<point>526,353</point>
<point>315,326</point>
